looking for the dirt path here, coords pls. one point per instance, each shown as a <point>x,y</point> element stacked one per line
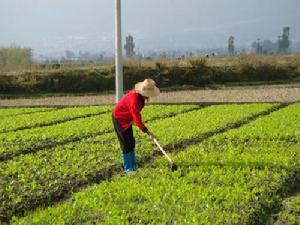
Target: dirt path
<point>249,94</point>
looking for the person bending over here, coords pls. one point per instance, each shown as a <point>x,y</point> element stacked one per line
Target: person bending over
<point>127,112</point>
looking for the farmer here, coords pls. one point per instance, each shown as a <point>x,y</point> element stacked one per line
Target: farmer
<point>126,112</point>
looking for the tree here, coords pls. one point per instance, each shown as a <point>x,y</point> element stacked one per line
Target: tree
<point>129,46</point>
<point>14,58</point>
<point>231,45</point>
<point>283,41</point>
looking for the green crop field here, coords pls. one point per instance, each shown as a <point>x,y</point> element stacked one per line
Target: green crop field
<point>237,164</point>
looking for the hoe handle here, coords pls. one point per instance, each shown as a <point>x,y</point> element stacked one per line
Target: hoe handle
<point>162,150</point>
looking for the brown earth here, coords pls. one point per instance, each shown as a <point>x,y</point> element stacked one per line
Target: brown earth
<point>245,94</point>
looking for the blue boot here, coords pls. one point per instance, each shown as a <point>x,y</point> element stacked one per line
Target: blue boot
<point>129,162</point>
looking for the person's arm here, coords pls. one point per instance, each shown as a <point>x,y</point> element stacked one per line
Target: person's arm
<point>135,108</point>
<point>135,111</point>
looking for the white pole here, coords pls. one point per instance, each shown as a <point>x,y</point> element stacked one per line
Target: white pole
<point>118,51</point>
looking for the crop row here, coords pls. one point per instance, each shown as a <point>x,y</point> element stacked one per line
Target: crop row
<point>215,184</point>
<point>7,112</point>
<point>26,121</point>
<point>40,178</point>
<point>24,141</point>
<point>283,126</point>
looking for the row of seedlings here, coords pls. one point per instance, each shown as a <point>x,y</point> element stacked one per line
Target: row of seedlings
<point>27,121</point>
<point>8,112</point>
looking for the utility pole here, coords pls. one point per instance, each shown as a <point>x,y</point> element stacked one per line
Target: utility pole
<point>118,51</point>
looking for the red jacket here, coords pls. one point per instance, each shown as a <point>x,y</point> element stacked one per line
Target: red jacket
<point>127,110</point>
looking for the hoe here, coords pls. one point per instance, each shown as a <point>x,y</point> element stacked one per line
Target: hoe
<point>173,165</point>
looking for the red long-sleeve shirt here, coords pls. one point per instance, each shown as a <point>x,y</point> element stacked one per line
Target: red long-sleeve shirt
<point>127,111</point>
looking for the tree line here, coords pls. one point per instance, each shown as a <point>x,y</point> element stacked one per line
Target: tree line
<point>266,46</point>
<point>16,58</point>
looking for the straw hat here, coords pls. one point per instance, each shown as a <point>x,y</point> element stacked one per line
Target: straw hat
<point>147,88</point>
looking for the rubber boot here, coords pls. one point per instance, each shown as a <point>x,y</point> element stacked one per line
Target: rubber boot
<point>129,162</point>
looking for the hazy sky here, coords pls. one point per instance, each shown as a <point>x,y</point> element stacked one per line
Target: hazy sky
<point>46,25</point>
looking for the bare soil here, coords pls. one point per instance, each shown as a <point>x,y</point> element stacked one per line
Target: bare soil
<point>237,94</point>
